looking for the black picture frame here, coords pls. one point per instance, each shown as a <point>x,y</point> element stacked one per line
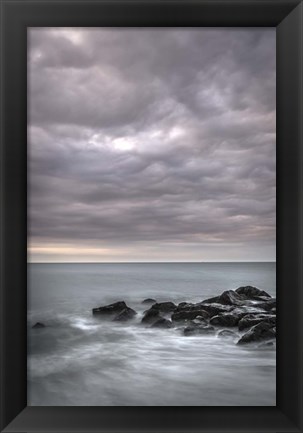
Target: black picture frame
<point>16,16</point>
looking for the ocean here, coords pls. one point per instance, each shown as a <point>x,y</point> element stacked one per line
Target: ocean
<point>79,360</point>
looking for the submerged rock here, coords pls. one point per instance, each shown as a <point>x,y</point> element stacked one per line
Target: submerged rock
<point>162,323</point>
<point>227,333</point>
<point>260,332</point>
<point>253,319</point>
<point>38,325</point>
<point>126,314</point>
<point>194,329</point>
<point>149,301</point>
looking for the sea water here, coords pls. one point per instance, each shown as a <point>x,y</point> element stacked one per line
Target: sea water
<point>78,359</point>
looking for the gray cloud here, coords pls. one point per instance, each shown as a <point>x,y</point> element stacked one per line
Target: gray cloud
<point>159,140</point>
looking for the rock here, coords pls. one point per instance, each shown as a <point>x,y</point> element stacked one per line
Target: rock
<point>149,301</point>
<point>184,304</point>
<point>229,297</point>
<point>245,295</point>
<point>126,314</point>
<point>162,323</point>
<point>151,316</point>
<point>253,319</point>
<point>111,309</point>
<point>38,325</point>
<point>266,344</point>
<point>251,292</point>
<point>188,314</point>
<point>198,329</point>
<point>200,319</point>
<point>247,309</point>
<point>260,332</point>
<point>225,319</point>
<point>165,307</point>
<point>211,309</point>
<point>227,333</point>
<point>268,305</point>
<point>233,317</point>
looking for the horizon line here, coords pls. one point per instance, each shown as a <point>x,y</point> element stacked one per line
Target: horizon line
<point>146,262</point>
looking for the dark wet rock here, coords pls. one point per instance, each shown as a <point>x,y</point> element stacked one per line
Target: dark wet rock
<point>184,304</point>
<point>266,344</point>
<point>229,297</point>
<point>227,333</point>
<point>233,317</point>
<point>125,315</point>
<point>225,319</point>
<point>247,309</point>
<point>189,314</point>
<point>200,319</point>
<point>38,325</point>
<point>151,316</point>
<point>111,309</point>
<point>268,305</point>
<point>251,292</point>
<point>260,332</point>
<point>164,307</point>
<point>194,329</point>
<point>149,301</point>
<point>273,310</point>
<point>162,323</point>
<point>212,309</point>
<point>246,295</point>
<point>253,319</point>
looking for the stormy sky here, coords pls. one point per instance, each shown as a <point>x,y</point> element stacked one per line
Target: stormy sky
<point>151,144</point>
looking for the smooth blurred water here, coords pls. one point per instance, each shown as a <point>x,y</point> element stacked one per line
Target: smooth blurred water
<point>80,360</point>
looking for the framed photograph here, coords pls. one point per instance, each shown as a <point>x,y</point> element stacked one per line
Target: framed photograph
<point>151,208</point>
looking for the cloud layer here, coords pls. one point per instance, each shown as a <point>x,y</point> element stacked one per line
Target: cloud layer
<point>151,144</point>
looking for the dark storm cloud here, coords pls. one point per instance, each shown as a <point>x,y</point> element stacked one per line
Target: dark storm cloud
<point>153,137</point>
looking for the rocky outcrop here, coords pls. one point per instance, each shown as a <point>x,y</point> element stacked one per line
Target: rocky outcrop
<point>260,332</point>
<point>248,308</point>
